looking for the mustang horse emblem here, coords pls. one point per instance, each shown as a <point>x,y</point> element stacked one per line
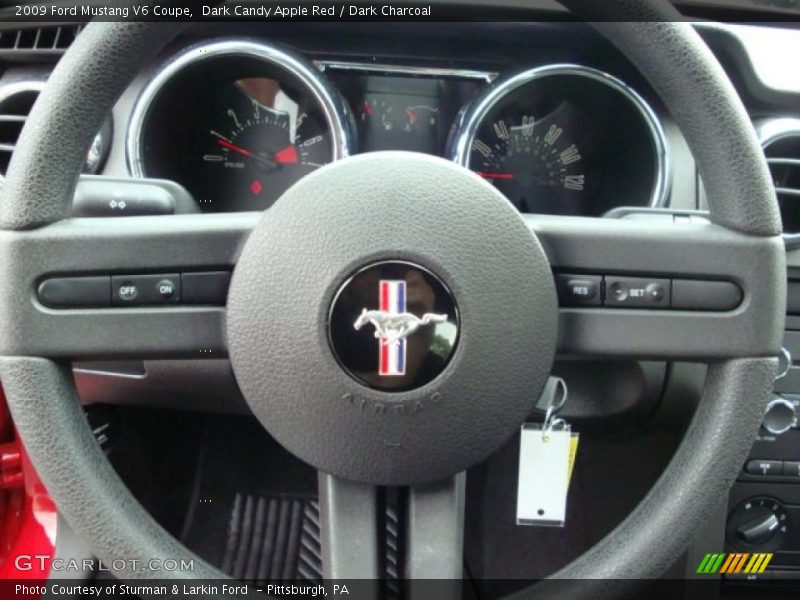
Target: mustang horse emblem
<point>391,328</point>
<point>393,324</point>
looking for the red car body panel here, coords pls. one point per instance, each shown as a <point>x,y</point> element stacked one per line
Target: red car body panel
<point>28,517</point>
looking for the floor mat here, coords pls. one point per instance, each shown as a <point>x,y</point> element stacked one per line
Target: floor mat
<point>273,539</point>
<point>254,512</point>
<point>278,539</point>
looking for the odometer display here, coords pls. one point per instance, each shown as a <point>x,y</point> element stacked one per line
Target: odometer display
<point>565,140</point>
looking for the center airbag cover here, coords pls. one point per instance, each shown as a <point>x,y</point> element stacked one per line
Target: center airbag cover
<point>391,206</point>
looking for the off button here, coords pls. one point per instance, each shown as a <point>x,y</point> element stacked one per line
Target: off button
<point>578,290</point>
<point>128,291</point>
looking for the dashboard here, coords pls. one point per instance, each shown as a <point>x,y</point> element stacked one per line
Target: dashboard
<point>237,121</point>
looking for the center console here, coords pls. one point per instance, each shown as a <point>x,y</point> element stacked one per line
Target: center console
<point>764,504</point>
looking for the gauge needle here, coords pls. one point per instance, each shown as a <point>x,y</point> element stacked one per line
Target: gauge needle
<point>285,156</point>
<point>411,116</point>
<point>491,175</point>
<point>234,147</point>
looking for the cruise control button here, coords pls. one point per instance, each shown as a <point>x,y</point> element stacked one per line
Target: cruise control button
<point>128,291</point>
<point>145,290</point>
<point>656,292</point>
<point>637,292</point>
<point>166,288</point>
<point>578,290</point>
<point>764,467</point>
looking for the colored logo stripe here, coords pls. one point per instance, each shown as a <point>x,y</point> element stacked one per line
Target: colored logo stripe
<point>392,356</point>
<point>734,563</point>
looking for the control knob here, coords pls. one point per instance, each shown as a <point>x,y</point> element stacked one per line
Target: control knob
<point>757,524</point>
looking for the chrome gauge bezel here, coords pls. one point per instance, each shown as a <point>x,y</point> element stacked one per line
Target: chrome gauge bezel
<point>474,115</point>
<point>334,108</point>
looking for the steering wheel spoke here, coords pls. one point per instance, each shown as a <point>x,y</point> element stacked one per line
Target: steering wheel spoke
<point>669,252</point>
<point>108,248</point>
<point>430,540</point>
<point>349,528</point>
<point>436,531</point>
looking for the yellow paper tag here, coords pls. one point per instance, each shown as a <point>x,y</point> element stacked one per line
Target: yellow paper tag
<point>573,452</point>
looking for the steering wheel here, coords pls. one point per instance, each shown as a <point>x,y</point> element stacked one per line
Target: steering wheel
<point>493,268</point>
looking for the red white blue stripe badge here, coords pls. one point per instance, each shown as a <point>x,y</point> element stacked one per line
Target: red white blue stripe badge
<point>392,357</point>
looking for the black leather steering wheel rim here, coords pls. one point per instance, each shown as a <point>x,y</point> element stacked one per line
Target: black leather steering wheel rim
<point>96,503</point>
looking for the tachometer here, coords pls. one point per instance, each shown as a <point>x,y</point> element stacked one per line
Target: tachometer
<point>565,140</point>
<point>259,142</point>
<point>237,123</point>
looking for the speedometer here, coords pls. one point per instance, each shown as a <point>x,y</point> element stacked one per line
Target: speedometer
<point>537,164</point>
<point>565,140</point>
<point>237,123</point>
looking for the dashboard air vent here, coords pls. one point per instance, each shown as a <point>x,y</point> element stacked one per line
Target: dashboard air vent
<point>39,39</point>
<point>16,100</point>
<point>780,139</point>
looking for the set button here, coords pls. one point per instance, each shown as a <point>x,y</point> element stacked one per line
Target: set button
<point>637,292</point>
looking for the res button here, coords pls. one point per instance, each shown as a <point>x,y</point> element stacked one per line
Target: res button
<point>578,290</point>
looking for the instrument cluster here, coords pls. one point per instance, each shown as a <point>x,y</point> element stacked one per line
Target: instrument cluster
<point>238,122</point>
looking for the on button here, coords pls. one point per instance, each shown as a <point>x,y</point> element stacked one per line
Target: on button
<point>166,288</point>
